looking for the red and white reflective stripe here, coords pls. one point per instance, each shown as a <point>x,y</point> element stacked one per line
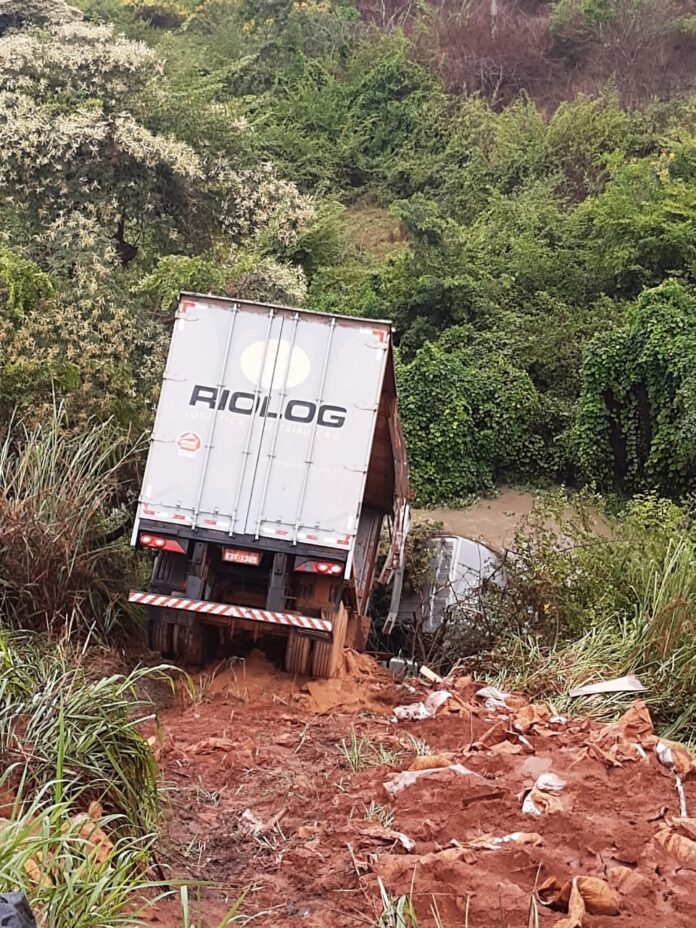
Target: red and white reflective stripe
<point>234,612</point>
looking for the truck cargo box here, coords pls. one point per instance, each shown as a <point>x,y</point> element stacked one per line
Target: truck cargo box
<point>276,431</point>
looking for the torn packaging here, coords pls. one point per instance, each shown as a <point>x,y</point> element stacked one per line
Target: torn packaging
<point>678,839</point>
<point>597,896</point>
<point>625,739</point>
<point>406,778</point>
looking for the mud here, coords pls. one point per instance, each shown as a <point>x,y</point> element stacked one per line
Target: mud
<point>491,520</point>
<point>263,799</point>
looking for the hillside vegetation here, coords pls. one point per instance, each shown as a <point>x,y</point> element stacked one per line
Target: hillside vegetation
<point>512,182</point>
<point>536,253</point>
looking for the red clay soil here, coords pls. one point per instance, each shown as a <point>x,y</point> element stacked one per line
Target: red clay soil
<point>264,801</point>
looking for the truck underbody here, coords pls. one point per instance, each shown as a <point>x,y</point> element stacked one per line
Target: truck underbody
<point>206,598</point>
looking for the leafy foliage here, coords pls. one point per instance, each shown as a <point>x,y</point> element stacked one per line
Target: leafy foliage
<point>63,558</point>
<point>637,411</point>
<point>581,607</point>
<point>296,152</point>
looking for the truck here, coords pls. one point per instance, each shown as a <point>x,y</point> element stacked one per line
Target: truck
<point>275,463</point>
<point>460,569</point>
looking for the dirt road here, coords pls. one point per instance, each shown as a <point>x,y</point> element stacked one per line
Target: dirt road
<point>279,792</point>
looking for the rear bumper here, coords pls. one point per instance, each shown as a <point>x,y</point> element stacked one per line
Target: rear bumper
<point>223,611</point>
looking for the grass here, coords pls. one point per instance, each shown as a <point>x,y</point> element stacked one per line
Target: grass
<point>621,605</point>
<point>83,734</point>
<point>360,753</point>
<point>64,557</point>
<point>73,877</point>
<point>379,813</point>
<point>417,746</point>
<point>397,911</point>
<point>191,916</point>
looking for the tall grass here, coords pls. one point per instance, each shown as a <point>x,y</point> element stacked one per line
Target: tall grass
<point>72,880</point>
<point>585,608</point>
<point>62,554</point>
<point>57,724</point>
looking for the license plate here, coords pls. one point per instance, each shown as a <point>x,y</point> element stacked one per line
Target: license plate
<point>239,556</point>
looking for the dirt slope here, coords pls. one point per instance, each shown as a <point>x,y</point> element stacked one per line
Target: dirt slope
<point>265,800</point>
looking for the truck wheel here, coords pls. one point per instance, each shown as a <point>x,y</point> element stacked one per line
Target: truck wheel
<point>188,643</point>
<point>160,635</point>
<point>297,653</point>
<point>327,654</point>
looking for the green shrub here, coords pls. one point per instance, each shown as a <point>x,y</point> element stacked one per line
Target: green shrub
<point>582,607</point>
<point>64,557</point>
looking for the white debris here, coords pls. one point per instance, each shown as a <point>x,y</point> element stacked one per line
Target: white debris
<point>517,837</point>
<point>664,754</point>
<point>492,697</point>
<point>406,778</point>
<point>252,822</point>
<point>550,783</point>
<point>627,684</point>
<point>417,711</point>
<point>539,799</point>
<point>666,758</point>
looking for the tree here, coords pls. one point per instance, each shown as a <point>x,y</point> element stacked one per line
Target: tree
<point>72,140</point>
<point>17,13</point>
<point>636,420</point>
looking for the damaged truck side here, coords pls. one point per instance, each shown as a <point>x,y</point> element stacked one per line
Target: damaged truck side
<point>275,458</point>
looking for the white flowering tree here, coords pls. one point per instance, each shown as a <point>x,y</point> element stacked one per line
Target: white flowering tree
<point>73,138</point>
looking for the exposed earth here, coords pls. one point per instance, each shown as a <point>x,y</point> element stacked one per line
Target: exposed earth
<point>278,791</point>
<point>491,520</point>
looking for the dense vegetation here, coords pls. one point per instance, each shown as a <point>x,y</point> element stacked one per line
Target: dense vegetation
<point>512,182</point>
<point>535,253</point>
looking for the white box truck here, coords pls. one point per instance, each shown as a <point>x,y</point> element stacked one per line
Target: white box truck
<point>276,456</point>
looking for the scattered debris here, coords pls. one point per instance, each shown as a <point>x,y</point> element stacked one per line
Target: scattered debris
<point>492,697</point>
<point>406,778</point>
<point>208,745</point>
<point>430,762</point>
<point>625,739</point>
<point>540,799</point>
<point>527,717</point>
<point>422,710</point>
<point>627,684</point>
<point>461,830</point>
<point>584,894</point>
<point>676,756</point>
<point>678,838</point>
<point>666,757</point>
<point>492,843</point>
<point>402,667</point>
<point>387,834</point>
<point>430,675</point>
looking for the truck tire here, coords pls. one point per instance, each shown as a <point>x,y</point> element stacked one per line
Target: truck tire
<point>15,911</point>
<point>297,653</point>
<point>188,643</point>
<point>326,655</point>
<point>160,634</point>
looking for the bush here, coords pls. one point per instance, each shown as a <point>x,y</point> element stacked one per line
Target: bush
<point>468,414</point>
<point>582,607</point>
<point>83,732</point>
<point>636,419</point>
